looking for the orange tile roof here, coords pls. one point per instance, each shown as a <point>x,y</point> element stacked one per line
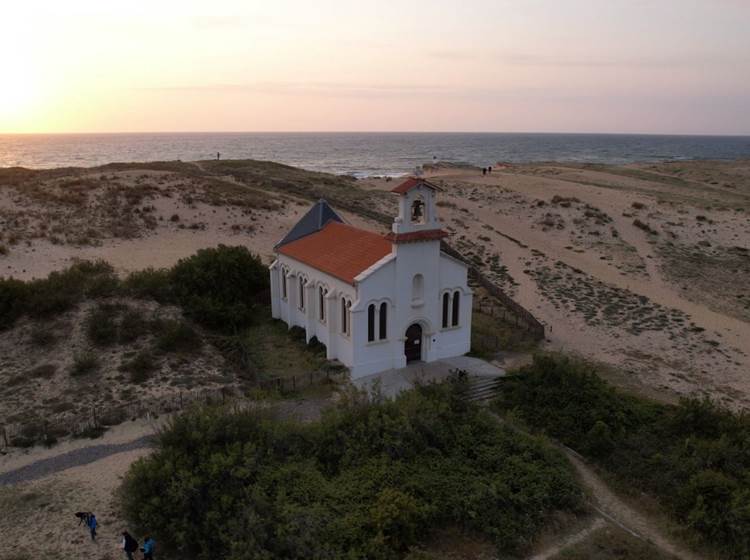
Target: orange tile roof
<point>412,182</point>
<point>340,250</point>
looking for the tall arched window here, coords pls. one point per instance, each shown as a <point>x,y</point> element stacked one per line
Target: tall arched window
<point>283,284</point>
<point>321,304</point>
<point>456,297</point>
<point>343,316</point>
<point>417,288</point>
<point>371,322</point>
<point>446,309</point>
<point>383,331</point>
<point>301,293</point>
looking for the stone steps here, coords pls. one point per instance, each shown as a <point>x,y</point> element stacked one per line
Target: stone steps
<point>482,389</point>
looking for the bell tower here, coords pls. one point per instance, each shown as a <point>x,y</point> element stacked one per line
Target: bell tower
<point>417,217</point>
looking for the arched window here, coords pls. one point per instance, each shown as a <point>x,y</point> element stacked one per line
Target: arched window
<point>417,288</point>
<point>301,293</point>
<point>446,309</point>
<point>343,316</point>
<point>321,304</point>
<point>371,322</point>
<point>456,296</point>
<point>383,334</point>
<point>283,284</point>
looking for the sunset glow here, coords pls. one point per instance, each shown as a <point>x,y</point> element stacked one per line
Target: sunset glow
<point>625,66</point>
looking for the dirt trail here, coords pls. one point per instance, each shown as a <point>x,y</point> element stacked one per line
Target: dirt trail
<point>81,456</point>
<point>612,508</point>
<point>570,540</point>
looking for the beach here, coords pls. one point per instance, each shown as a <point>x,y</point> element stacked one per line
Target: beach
<point>643,268</point>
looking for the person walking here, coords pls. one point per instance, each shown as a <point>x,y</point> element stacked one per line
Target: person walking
<point>149,547</point>
<point>129,544</point>
<point>92,524</point>
<point>218,156</point>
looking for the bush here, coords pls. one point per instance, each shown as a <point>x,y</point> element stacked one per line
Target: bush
<point>176,336</point>
<point>368,481</point>
<point>57,293</point>
<point>140,367</point>
<point>83,363</point>
<point>43,335</point>
<point>317,346</point>
<point>14,296</point>
<point>60,291</point>
<point>693,456</point>
<point>132,326</point>
<point>220,287</point>
<point>101,324</point>
<point>150,283</point>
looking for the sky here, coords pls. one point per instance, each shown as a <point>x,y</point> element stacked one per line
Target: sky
<point>630,66</point>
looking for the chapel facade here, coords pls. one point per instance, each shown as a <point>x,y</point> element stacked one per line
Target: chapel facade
<point>375,301</point>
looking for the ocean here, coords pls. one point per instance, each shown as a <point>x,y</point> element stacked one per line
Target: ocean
<point>363,154</point>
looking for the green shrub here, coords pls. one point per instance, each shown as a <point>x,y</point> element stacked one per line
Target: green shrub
<point>317,346</point>
<point>101,324</point>
<point>140,367</point>
<point>150,283</point>
<point>133,325</point>
<point>693,456</point>
<point>368,481</point>
<point>14,296</point>
<point>83,363</point>
<point>43,335</point>
<point>57,293</point>
<point>176,336</point>
<point>60,291</point>
<point>220,287</point>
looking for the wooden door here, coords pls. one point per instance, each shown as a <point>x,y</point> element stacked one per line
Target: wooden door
<point>413,343</point>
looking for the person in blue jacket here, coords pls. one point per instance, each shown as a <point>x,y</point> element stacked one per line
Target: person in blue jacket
<point>149,547</point>
<point>92,525</point>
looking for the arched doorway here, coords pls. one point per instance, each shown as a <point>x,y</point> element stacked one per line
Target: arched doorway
<point>413,343</point>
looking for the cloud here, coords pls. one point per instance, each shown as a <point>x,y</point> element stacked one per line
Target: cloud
<point>511,58</point>
<point>328,89</point>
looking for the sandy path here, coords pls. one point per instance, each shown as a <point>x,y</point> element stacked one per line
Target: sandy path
<point>43,525</point>
<point>614,203</point>
<point>81,456</point>
<point>570,540</point>
<point>610,506</point>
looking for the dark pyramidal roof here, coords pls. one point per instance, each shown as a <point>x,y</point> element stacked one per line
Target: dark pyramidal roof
<point>312,222</point>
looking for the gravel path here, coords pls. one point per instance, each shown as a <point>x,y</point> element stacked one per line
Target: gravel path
<point>82,456</point>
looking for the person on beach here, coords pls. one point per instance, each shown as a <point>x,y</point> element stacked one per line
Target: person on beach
<point>149,546</point>
<point>129,544</point>
<point>83,517</point>
<point>489,170</point>
<point>218,156</point>
<point>92,524</point>
<point>484,171</point>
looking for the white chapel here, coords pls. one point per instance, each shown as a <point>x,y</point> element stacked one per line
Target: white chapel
<point>375,301</point>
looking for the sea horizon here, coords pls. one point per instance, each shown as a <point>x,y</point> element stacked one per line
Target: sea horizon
<point>364,154</point>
